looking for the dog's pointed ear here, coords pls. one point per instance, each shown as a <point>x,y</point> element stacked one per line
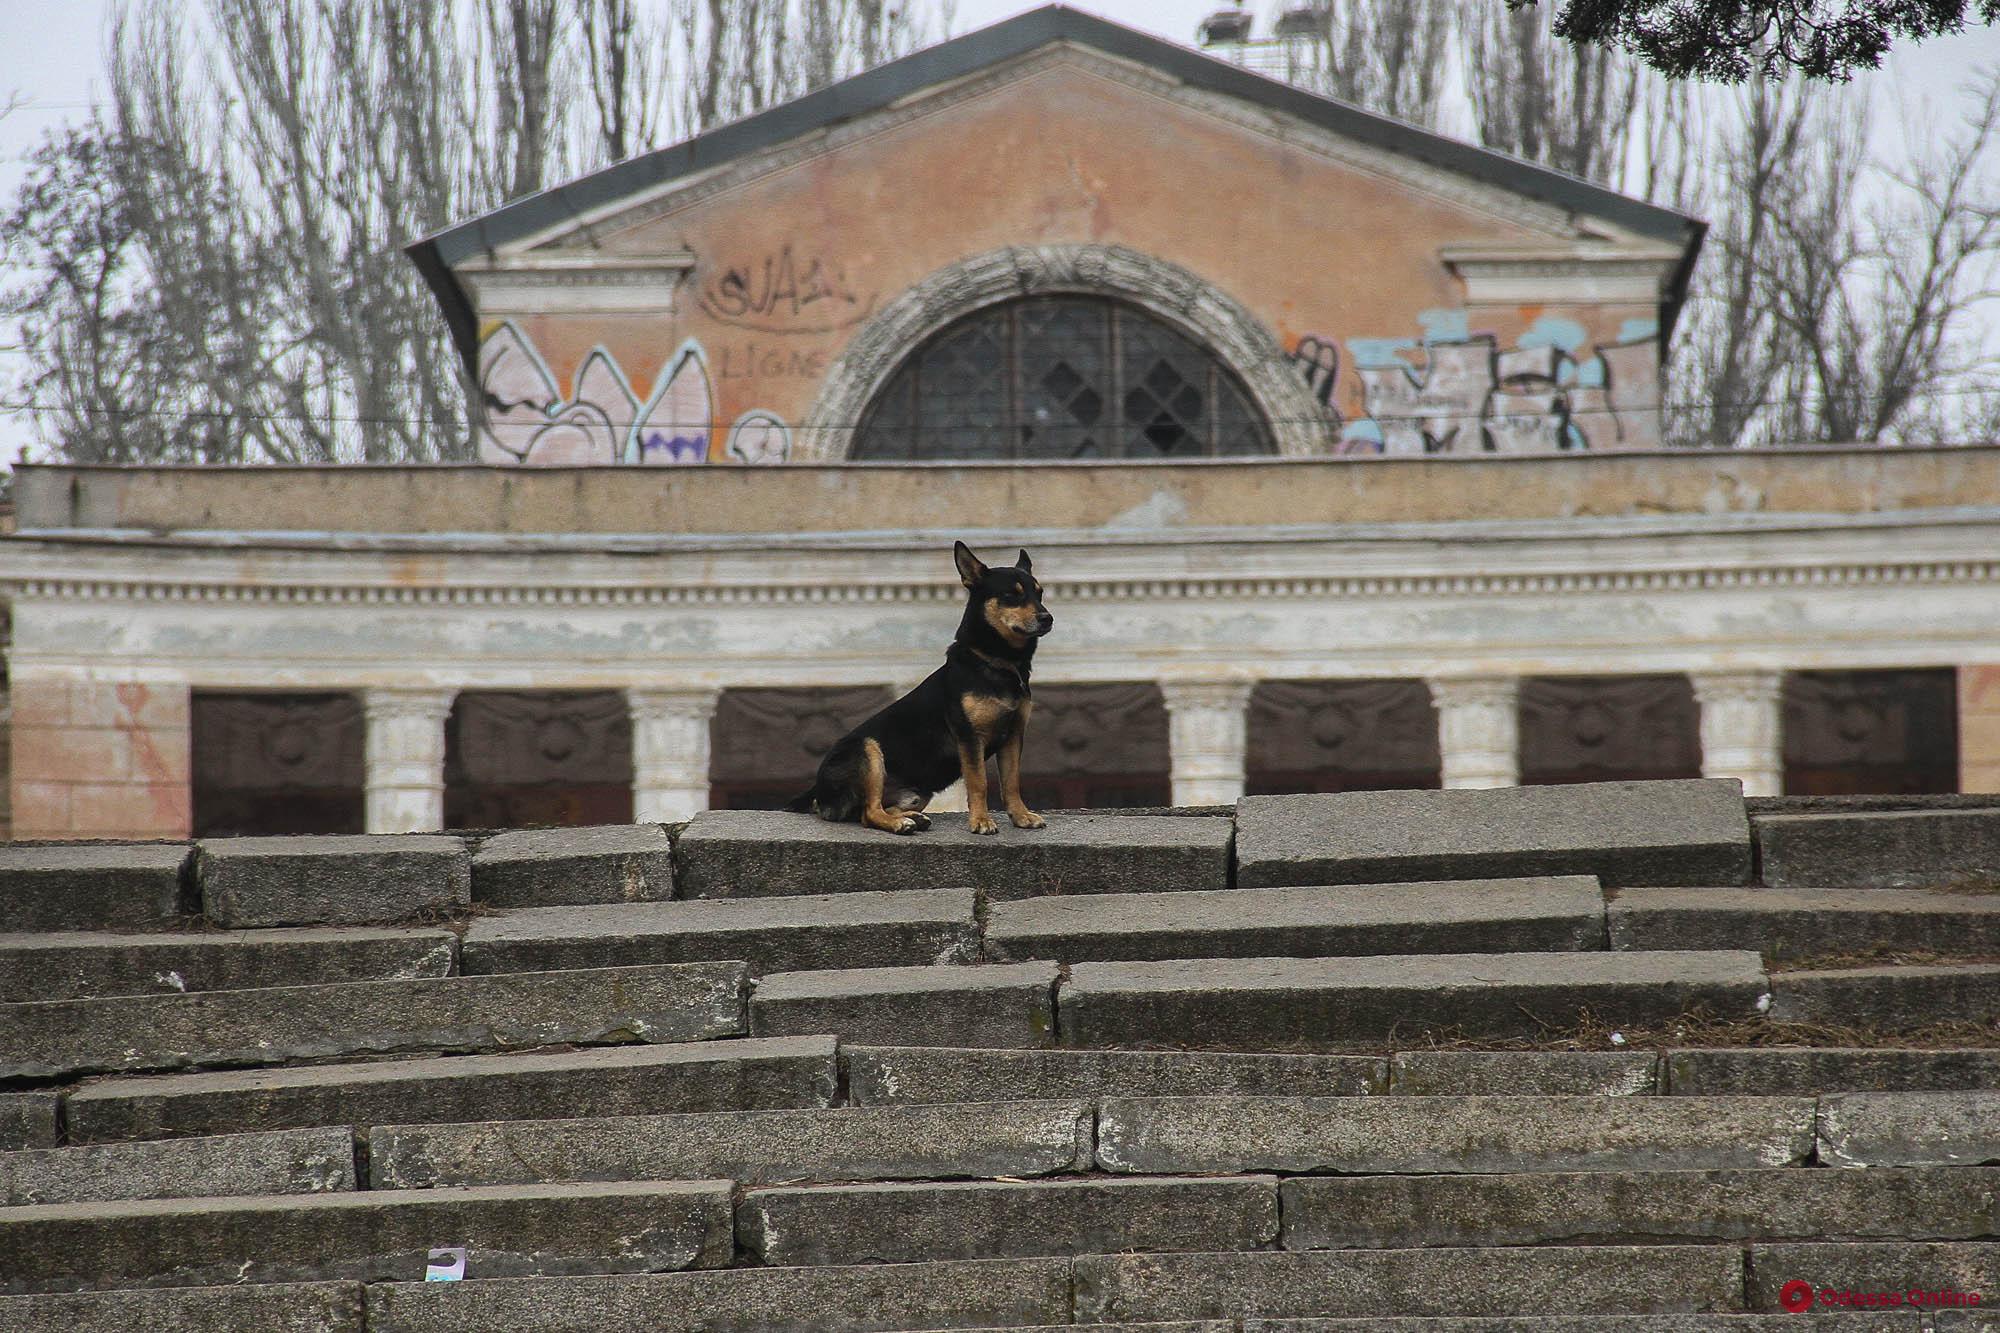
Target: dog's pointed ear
<point>969,568</point>
<point>1024,564</point>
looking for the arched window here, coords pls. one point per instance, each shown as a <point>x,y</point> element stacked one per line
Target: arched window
<point>1061,377</point>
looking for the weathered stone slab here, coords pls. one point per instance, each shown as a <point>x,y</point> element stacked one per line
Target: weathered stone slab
<point>284,1161</point>
<point>918,1074</point>
<point>1798,1070</point>
<point>909,928</point>
<point>70,965</point>
<point>739,853</point>
<point>28,1119</point>
<point>901,1223</point>
<point>1346,1134</point>
<point>1654,1206</point>
<point>1523,1073</point>
<point>553,867</point>
<point>514,1231</point>
<point>1526,1281</point>
<point>1006,1005</point>
<point>1888,1322</point>
<point>330,881</point>
<point>1174,1326</point>
<point>1805,923</point>
<point>992,1293</point>
<point>611,1080</point>
<point>100,887</point>
<point>1480,916</point>
<point>1910,1129</point>
<point>1020,1138</point>
<point>1880,849</point>
<point>312,1307</point>
<point>1266,1002</point>
<point>1888,999</point>
<point>1691,831</point>
<point>675,1002</point>
<point>1939,1269</point>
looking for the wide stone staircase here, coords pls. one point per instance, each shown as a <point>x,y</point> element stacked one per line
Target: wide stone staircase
<point>1612,1056</point>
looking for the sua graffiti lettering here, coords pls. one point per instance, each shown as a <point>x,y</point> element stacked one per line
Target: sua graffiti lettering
<point>782,296</point>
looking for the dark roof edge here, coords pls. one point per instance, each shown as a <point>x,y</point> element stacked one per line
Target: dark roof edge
<point>884,85</point>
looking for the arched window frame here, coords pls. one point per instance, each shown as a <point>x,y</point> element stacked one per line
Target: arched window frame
<point>1204,313</point>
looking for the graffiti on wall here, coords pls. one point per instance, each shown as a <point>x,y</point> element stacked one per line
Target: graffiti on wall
<point>529,420</point>
<point>779,294</point>
<point>1454,391</point>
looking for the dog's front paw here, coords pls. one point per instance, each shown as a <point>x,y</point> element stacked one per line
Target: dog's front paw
<point>923,820</point>
<point>907,824</point>
<point>981,824</point>
<point>1027,819</point>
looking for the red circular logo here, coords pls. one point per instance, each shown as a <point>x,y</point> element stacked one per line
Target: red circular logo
<point>1796,1296</point>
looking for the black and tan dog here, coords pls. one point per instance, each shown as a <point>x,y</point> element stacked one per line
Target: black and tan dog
<point>977,704</point>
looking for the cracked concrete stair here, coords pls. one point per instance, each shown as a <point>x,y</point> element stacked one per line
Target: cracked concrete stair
<point>73,965</point>
<point>282,1161</point>
<point>1274,1002</point>
<point>674,1002</point>
<point>744,853</point>
<point>726,1075</point>
<point>1805,923</point>
<point>371,1235</point>
<point>1472,916</point>
<point>908,928</point>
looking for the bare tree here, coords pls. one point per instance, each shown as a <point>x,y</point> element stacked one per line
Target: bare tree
<point>1571,106</point>
<point>230,284</point>
<point>1391,56</point>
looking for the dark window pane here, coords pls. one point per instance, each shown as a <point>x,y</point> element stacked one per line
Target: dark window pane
<point>1852,733</point>
<point>1061,377</point>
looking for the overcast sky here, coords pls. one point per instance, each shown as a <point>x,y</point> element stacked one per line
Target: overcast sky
<point>51,60</point>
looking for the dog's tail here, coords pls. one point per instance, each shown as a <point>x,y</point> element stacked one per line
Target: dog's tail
<point>802,804</point>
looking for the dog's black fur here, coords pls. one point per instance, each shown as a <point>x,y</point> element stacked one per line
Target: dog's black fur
<point>976,705</point>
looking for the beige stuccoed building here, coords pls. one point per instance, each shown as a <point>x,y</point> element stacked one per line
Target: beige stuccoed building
<point>1336,444</point>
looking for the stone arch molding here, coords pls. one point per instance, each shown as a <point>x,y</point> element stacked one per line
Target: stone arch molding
<point>1200,309</point>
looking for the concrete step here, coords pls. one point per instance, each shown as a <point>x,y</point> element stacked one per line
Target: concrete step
<point>996,1293</point>
<point>1265,1002</point>
<point>93,887</point>
<point>1524,1073</point>
<point>372,1236</point>
<point>612,1080</point>
<point>1886,1321</point>
<point>675,1002</point>
<point>901,1223</point>
<point>1888,999</point>
<point>1006,1005</point>
<point>1475,916</point>
<point>28,1119</point>
<point>1018,1138</point>
<point>923,926</point>
<point>1564,1208</point>
<point>1690,831</point>
<point>71,965</point>
<point>1184,1135</point>
<point>1580,1280</point>
<point>1910,1129</point>
<point>741,853</point>
<point>1805,923</point>
<point>1880,849</point>
<point>1803,1070</point>
<point>310,1307</point>
<point>918,1075</point>
<point>551,867</point>
<point>323,881</point>
<point>1941,1270</point>
<point>283,1161</point>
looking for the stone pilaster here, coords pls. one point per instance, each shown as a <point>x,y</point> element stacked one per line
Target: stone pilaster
<point>1207,735</point>
<point>405,755</point>
<point>1742,734</point>
<point>1479,730</point>
<point>670,731</point>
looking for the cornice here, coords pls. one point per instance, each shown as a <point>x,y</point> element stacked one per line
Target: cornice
<point>1189,587</point>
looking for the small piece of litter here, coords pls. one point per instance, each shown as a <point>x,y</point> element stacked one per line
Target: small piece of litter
<point>446,1265</point>
<point>1617,1039</point>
